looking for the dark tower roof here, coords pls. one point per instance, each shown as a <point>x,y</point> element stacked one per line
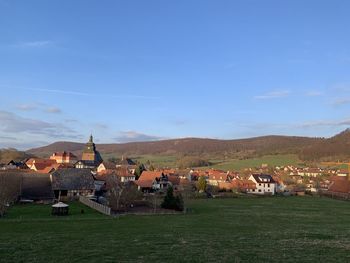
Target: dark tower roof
<point>90,153</point>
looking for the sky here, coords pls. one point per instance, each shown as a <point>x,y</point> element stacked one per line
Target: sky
<point>148,70</point>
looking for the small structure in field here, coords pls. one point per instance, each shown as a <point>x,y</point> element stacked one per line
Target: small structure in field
<point>60,209</point>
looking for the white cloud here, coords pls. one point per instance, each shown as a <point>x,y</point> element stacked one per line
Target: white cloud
<point>273,95</point>
<point>78,93</point>
<point>26,107</point>
<point>326,123</point>
<point>34,44</point>
<point>314,93</point>
<point>12,124</point>
<point>133,136</point>
<point>53,110</point>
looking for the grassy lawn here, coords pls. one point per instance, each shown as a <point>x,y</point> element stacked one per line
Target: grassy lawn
<point>271,160</point>
<point>294,229</point>
<point>158,160</point>
<point>228,164</point>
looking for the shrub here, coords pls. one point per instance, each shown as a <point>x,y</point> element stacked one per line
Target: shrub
<point>173,202</point>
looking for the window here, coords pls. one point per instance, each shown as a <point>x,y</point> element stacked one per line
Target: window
<point>268,185</point>
<point>259,184</point>
<point>259,190</point>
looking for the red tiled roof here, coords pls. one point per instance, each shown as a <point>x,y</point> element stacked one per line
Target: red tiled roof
<point>218,176</point>
<point>108,165</point>
<point>175,180</point>
<point>144,183</point>
<point>46,170</point>
<point>340,186</point>
<point>150,175</point>
<point>31,161</point>
<point>63,154</point>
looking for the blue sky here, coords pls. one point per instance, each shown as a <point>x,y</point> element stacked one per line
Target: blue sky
<point>144,70</point>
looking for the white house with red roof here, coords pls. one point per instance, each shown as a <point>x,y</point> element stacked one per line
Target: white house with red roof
<point>265,184</point>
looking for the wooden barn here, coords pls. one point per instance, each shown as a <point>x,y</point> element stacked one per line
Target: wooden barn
<point>70,183</point>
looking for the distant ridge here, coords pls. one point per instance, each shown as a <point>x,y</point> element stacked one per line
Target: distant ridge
<point>309,149</point>
<point>190,146</point>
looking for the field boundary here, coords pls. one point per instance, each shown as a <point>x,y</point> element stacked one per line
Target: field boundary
<point>96,206</point>
<point>335,195</point>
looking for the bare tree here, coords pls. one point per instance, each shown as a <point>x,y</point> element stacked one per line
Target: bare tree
<point>9,190</point>
<point>121,195</point>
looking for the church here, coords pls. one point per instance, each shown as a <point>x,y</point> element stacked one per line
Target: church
<point>91,158</point>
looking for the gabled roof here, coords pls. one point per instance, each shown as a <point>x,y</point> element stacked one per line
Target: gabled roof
<point>40,166</point>
<point>263,178</point>
<point>150,175</point>
<point>340,184</point>
<point>144,183</point>
<point>88,163</point>
<point>36,187</point>
<point>46,170</point>
<point>174,179</point>
<point>108,165</point>
<point>123,172</point>
<point>64,154</point>
<point>125,161</point>
<point>72,179</point>
<point>218,176</point>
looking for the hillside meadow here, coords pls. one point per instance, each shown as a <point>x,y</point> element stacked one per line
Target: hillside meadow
<point>270,229</point>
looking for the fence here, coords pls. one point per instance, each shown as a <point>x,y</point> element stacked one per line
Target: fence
<point>335,195</point>
<point>98,207</point>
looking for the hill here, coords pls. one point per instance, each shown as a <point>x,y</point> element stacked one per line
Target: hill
<point>242,148</point>
<point>331,149</point>
<point>9,154</point>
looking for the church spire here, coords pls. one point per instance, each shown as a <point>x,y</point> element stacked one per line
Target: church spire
<point>91,138</point>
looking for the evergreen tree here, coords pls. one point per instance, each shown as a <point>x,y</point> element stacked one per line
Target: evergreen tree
<point>172,202</point>
<point>202,184</point>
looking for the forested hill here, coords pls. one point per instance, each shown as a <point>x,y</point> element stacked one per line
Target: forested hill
<point>336,148</point>
<point>191,146</point>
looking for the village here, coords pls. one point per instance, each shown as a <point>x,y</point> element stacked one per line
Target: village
<point>126,185</point>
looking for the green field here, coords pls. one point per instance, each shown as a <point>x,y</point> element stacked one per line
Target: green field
<point>271,160</point>
<point>228,164</point>
<point>271,229</point>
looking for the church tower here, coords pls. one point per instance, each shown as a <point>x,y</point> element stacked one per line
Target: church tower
<point>90,153</point>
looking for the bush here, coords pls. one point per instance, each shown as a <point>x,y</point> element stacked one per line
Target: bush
<point>173,202</point>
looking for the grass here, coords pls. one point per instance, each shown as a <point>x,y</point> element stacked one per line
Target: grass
<point>228,164</point>
<point>271,160</point>
<point>158,160</point>
<point>275,229</point>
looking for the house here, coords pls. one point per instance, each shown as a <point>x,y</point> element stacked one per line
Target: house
<point>264,183</point>
<point>175,181</point>
<point>70,183</point>
<point>310,172</point>
<point>128,163</point>
<point>124,174</point>
<point>83,164</point>
<point>36,187</point>
<point>342,172</point>
<point>42,163</point>
<point>106,167</point>
<point>125,162</point>
<point>243,185</point>
<point>217,176</point>
<point>152,181</point>
<point>11,165</point>
<point>64,157</point>
<point>339,184</point>
<point>280,186</point>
